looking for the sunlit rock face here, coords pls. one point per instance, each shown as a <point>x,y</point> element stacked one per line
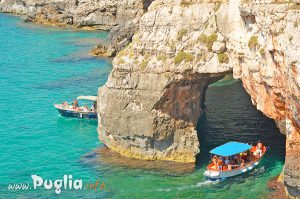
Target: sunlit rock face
<point>270,74</point>
<point>150,105</point>
<point>154,95</point>
<point>102,14</point>
<point>121,17</point>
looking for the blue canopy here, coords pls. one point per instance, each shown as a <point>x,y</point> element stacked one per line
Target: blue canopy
<point>230,148</point>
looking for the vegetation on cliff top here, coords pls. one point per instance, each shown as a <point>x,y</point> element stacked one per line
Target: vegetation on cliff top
<point>208,40</point>
<point>253,42</point>
<point>162,57</point>
<point>262,52</point>
<point>183,56</point>
<point>144,64</point>
<point>223,58</point>
<point>181,33</point>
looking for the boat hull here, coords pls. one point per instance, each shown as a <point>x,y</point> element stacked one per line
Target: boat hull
<point>77,114</point>
<point>231,173</point>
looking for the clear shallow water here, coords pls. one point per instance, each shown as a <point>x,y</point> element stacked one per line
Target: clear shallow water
<point>44,65</point>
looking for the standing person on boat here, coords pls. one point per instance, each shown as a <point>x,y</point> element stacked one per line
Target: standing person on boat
<point>214,160</point>
<point>75,104</point>
<point>220,164</point>
<point>259,148</point>
<point>94,107</point>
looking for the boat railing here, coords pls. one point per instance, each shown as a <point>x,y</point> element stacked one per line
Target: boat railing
<point>70,108</point>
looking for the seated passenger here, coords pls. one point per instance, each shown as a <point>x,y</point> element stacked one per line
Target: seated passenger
<point>243,156</point>
<point>243,163</point>
<point>250,157</point>
<point>229,166</point>
<point>85,108</point>
<point>227,161</point>
<point>220,164</point>
<point>65,104</point>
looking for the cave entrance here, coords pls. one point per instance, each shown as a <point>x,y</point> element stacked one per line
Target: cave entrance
<point>230,116</point>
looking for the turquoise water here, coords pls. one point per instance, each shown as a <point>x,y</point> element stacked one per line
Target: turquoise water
<point>45,65</point>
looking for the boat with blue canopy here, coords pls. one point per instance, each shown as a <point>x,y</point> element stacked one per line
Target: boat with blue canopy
<point>77,111</point>
<point>234,158</point>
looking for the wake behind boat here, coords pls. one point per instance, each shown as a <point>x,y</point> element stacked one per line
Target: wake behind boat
<point>234,158</point>
<point>76,111</point>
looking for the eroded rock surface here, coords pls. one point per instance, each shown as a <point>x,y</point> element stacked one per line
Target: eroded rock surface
<point>157,87</point>
<point>154,96</point>
<point>122,16</point>
<point>151,102</point>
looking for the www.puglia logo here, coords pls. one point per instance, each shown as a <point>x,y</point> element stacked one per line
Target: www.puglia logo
<point>67,182</point>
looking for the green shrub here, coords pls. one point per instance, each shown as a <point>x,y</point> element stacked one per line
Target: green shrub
<point>144,64</point>
<point>162,57</point>
<point>223,58</point>
<point>181,33</point>
<point>262,52</point>
<point>253,42</point>
<point>183,56</point>
<point>208,40</point>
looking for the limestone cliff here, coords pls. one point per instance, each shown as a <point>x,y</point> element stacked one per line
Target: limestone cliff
<point>155,93</point>
<point>119,16</point>
<point>154,96</point>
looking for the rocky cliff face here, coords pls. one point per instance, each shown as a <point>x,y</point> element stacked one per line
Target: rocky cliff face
<point>154,96</point>
<point>100,14</point>
<point>157,87</point>
<point>270,74</point>
<point>119,16</point>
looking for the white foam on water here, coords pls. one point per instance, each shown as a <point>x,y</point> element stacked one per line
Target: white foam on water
<point>207,183</point>
<point>163,190</point>
<point>199,184</point>
<point>259,170</point>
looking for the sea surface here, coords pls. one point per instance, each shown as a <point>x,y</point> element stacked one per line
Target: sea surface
<point>43,65</point>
